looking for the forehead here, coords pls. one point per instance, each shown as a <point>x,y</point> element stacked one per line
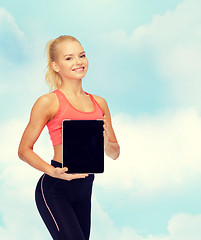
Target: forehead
<point>69,47</point>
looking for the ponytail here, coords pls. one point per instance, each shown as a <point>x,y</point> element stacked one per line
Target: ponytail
<point>52,78</point>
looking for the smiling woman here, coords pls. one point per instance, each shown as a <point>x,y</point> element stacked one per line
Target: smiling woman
<point>68,65</point>
<point>53,77</point>
<point>63,199</point>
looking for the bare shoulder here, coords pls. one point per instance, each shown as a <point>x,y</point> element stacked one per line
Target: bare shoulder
<point>45,100</point>
<point>45,106</point>
<point>101,101</point>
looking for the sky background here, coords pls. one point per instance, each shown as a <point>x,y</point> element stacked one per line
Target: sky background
<point>145,60</point>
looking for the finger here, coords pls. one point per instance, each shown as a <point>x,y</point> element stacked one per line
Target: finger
<point>105,134</point>
<point>75,177</point>
<point>80,175</point>
<point>64,170</point>
<point>105,126</point>
<point>61,171</point>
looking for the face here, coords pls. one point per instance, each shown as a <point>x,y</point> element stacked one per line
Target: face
<point>71,61</point>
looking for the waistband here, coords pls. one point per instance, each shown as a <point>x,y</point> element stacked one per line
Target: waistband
<point>56,164</point>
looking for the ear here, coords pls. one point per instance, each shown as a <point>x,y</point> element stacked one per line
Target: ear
<point>55,67</point>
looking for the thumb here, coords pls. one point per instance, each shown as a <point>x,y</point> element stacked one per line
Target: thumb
<point>65,169</point>
<point>62,170</point>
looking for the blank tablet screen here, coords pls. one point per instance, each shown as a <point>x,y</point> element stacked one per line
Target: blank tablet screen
<point>83,146</point>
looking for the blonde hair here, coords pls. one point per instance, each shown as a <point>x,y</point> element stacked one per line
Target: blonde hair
<point>53,78</point>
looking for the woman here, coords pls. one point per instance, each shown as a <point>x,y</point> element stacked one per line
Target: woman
<point>64,200</point>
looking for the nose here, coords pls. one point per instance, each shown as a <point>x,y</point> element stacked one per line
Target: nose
<point>78,60</point>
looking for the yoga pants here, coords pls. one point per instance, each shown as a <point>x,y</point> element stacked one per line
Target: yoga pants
<point>65,206</point>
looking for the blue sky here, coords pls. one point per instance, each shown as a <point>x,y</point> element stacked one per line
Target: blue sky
<point>145,59</point>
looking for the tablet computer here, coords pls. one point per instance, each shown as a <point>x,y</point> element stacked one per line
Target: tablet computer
<point>83,146</point>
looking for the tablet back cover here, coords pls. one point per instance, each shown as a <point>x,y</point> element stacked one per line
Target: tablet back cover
<point>83,146</point>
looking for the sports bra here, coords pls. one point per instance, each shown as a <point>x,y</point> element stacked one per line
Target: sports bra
<point>67,111</point>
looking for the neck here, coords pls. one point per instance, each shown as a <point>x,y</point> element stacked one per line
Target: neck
<point>72,87</point>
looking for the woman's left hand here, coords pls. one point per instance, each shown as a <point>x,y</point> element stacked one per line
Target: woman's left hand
<point>112,149</point>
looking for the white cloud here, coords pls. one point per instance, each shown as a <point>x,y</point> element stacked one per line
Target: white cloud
<point>181,226</point>
<point>158,151</point>
<point>8,25</point>
<point>18,180</point>
<point>165,31</point>
<point>12,39</point>
<point>104,228</point>
<point>171,43</point>
<point>13,48</point>
<point>185,226</point>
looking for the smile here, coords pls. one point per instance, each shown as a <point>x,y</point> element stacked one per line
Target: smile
<point>80,69</point>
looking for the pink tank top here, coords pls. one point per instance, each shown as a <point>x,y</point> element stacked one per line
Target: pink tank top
<point>67,111</point>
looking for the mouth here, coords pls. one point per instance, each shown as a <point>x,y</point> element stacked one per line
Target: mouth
<point>80,69</point>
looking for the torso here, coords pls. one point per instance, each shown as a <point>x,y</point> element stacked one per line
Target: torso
<point>83,104</point>
<point>58,153</point>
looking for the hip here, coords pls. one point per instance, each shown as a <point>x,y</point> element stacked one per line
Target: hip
<point>59,187</point>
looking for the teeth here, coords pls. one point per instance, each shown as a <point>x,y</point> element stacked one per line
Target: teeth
<point>78,69</point>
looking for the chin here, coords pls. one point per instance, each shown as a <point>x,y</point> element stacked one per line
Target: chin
<point>80,75</point>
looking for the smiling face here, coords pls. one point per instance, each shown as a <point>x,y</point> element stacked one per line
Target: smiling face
<point>71,61</point>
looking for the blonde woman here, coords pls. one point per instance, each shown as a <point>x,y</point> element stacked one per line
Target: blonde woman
<point>64,200</point>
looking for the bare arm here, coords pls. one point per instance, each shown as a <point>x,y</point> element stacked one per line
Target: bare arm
<point>111,146</point>
<point>40,114</point>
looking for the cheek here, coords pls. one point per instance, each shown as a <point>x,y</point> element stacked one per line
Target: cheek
<point>67,66</point>
<point>86,62</point>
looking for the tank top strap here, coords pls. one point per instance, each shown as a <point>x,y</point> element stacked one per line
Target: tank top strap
<point>63,103</point>
<point>59,94</point>
<point>95,102</point>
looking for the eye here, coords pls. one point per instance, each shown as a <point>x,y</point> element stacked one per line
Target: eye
<point>83,56</point>
<point>69,58</point>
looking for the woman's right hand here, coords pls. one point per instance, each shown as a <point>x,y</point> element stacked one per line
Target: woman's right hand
<point>61,173</point>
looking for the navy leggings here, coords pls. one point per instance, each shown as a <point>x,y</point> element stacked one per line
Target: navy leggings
<point>65,206</point>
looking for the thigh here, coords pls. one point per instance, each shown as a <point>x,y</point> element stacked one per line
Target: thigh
<point>56,211</point>
<point>82,208</point>
<point>69,226</point>
<point>43,207</point>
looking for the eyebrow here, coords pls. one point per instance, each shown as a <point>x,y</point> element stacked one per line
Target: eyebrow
<point>72,54</point>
